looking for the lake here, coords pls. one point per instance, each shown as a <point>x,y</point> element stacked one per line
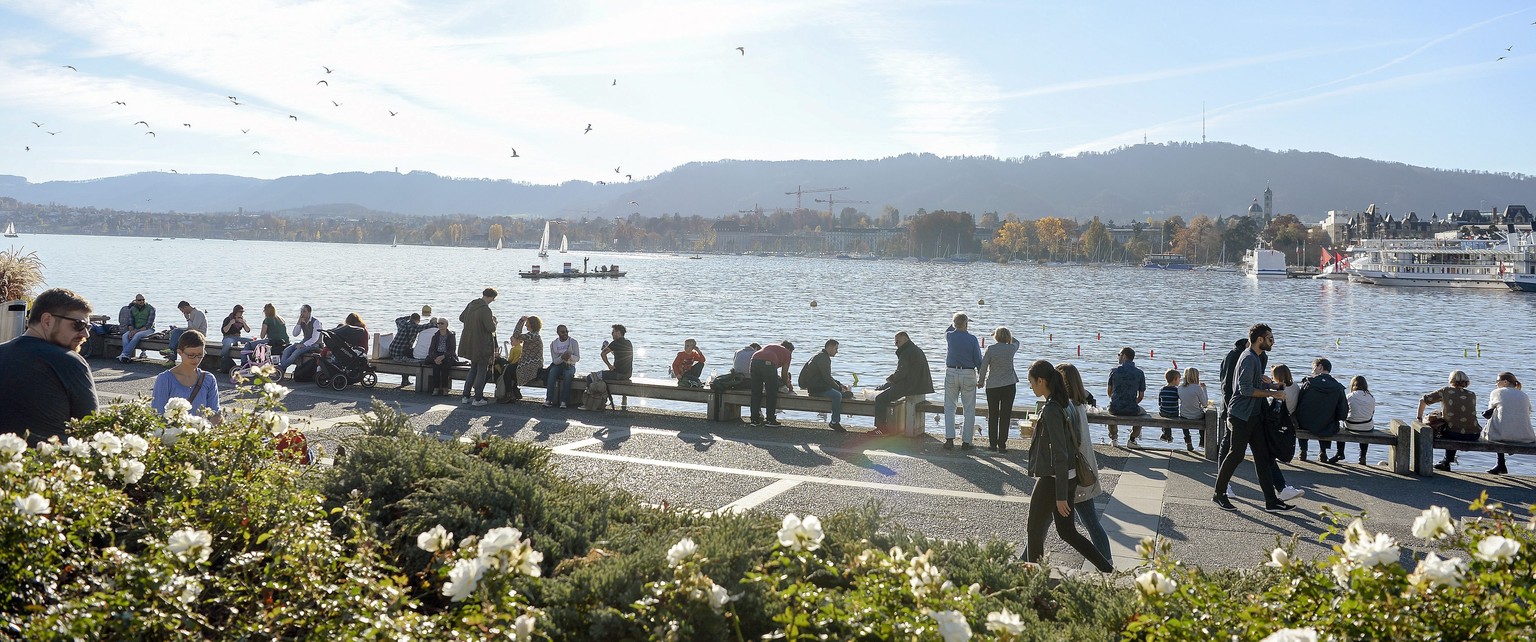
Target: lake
<point>1404,340</point>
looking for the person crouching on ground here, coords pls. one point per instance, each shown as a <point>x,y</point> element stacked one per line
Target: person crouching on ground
<point>1052,462</point>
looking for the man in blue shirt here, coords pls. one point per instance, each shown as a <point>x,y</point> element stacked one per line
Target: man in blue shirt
<point>1245,412</point>
<point>960,365</point>
<point>1127,387</point>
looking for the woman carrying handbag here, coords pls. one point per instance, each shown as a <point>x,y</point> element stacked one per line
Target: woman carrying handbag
<point>1053,461</point>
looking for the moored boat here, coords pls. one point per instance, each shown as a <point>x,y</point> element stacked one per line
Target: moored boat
<point>1456,262</point>
<point>1166,261</point>
<point>568,272</point>
<point>1264,263</point>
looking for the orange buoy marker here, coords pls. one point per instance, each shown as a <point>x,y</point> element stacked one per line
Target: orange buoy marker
<point>1175,364</point>
<point>1050,337</point>
<point>1079,349</point>
<point>1098,336</point>
<point>1151,354</point>
<point>1202,346</point>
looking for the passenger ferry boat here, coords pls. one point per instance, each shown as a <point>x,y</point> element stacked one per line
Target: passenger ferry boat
<point>1442,262</point>
<point>1264,263</point>
<point>1166,261</point>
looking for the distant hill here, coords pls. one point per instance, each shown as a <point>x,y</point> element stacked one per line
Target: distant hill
<point>1163,179</point>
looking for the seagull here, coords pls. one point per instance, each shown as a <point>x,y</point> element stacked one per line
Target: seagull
<point>235,102</point>
<point>335,103</point>
<point>55,133</point>
<point>327,69</point>
<point>38,124</point>
<point>615,82</point>
<point>629,177</point>
<point>392,113</point>
<point>1500,58</point>
<point>119,102</point>
<point>295,118</point>
<point>615,170</point>
<point>514,153</point>
<point>1509,47</point>
<point>230,97</point>
<point>602,182</point>
<point>142,123</point>
<point>255,153</point>
<point>634,202</point>
<point>245,131</point>
<point>589,128</point>
<point>175,172</point>
<point>28,148</point>
<point>743,50</point>
<point>70,67</point>
<point>187,125</point>
<point>150,134</point>
<point>322,82</point>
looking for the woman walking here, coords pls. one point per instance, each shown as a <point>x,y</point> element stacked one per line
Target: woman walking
<point>1082,496</point>
<point>997,375</point>
<point>1052,461</point>
<point>188,381</point>
<point>1509,416</point>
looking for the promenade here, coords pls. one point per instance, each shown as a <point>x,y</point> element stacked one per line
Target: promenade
<point>682,461</point>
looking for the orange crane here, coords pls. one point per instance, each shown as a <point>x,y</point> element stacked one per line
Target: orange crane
<point>801,192</point>
<point>831,201</point>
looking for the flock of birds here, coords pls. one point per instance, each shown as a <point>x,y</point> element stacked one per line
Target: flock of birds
<point>235,100</point>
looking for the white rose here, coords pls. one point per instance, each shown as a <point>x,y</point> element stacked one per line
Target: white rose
<point>523,627</point>
<point>435,539</point>
<point>135,445</point>
<point>1307,634</point>
<point>107,443</point>
<point>1497,548</point>
<point>1434,523</point>
<point>36,485</point>
<point>1367,550</point>
<point>132,470</point>
<point>952,626</point>
<point>48,448</point>
<point>528,560</point>
<point>12,445</point>
<point>33,504</point>
<point>1005,621</point>
<point>11,467</point>
<point>72,473</point>
<point>190,544</point>
<point>1155,583</point>
<point>463,579</point>
<point>682,550</point>
<point>194,477</point>
<point>76,448</point>
<point>195,424</point>
<point>497,540</point>
<point>1441,572</point>
<point>1341,571</point>
<point>176,407</point>
<point>185,589</point>
<point>1278,558</point>
<point>801,534</point>
<point>273,391</point>
<point>718,597</point>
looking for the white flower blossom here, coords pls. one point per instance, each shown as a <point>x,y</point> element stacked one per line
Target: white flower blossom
<point>274,392</point>
<point>682,550</point>
<point>275,421</point>
<point>1341,571</point>
<point>952,626</point>
<point>194,477</point>
<point>1440,572</point>
<point>72,473</point>
<point>497,540</point>
<point>48,448</point>
<point>504,549</point>
<point>190,545</point>
<point>1278,558</point>
<point>107,443</point>
<point>132,470</point>
<point>116,555</point>
<point>1307,634</point>
<point>176,407</point>
<point>523,627</point>
<point>135,445</point>
<point>265,371</point>
<point>1497,548</point>
<point>718,597</point>
<point>36,485</point>
<point>1434,523</point>
<point>463,579</point>
<point>33,504</point>
<point>1155,583</point>
<point>1147,548</point>
<point>74,447</point>
<point>1005,621</point>
<point>183,589</point>
<point>12,445</point>
<point>435,539</point>
<point>801,534</point>
<point>974,588</point>
<point>11,467</point>
<point>922,575</point>
<point>1365,549</point>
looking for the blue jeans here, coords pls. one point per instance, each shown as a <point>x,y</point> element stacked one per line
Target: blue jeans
<point>131,339</point>
<point>837,403</point>
<point>174,338</point>
<point>558,385</point>
<point>1088,515</point>
<point>293,353</point>
<point>959,385</point>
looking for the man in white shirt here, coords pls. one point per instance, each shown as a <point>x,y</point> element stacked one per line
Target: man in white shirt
<point>196,320</point>
<point>564,352</point>
<point>305,338</point>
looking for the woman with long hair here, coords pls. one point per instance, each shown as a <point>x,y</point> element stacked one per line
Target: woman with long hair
<point>532,359</point>
<point>274,330</point>
<point>997,375</point>
<point>1082,496</point>
<point>1052,461</point>
<point>1509,416</point>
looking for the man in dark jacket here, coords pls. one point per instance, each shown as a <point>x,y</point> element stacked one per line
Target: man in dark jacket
<point>1322,405</point>
<point>1228,364</point>
<point>912,377</point>
<point>816,379</point>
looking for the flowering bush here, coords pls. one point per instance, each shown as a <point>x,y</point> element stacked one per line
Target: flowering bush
<point>1477,587</point>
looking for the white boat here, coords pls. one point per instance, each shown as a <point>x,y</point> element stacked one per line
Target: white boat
<point>1264,263</point>
<point>396,242</point>
<point>1443,261</point>
<point>498,244</point>
<point>565,246</point>
<point>10,231</point>
<point>544,242</point>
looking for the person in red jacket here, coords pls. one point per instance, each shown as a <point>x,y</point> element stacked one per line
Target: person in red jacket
<point>688,365</point>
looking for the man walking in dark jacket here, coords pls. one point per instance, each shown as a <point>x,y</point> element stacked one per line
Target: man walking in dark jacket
<point>816,380</point>
<point>1323,403</point>
<point>1228,364</point>
<point>912,377</point>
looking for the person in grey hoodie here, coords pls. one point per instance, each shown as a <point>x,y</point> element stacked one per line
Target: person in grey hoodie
<point>997,375</point>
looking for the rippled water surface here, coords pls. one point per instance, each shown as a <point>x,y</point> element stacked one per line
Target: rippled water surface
<point>1404,340</point>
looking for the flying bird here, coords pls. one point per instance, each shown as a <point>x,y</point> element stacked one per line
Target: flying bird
<point>142,123</point>
<point>1500,58</point>
<point>55,133</point>
<point>175,172</point>
<point>187,125</point>
<point>71,67</point>
<point>589,128</point>
<point>392,113</point>
<point>615,170</point>
<point>1509,47</point>
<point>255,153</point>
<point>634,202</point>
<point>322,82</point>
<point>38,124</point>
<point>602,182</point>
<point>629,177</point>
<point>335,103</point>
<point>230,97</point>
<point>615,82</point>
<point>295,118</point>
<point>245,131</point>
<point>119,102</point>
<point>235,102</point>
<point>150,134</point>
<point>514,153</point>
<point>28,148</point>
<point>327,69</point>
<point>743,50</point>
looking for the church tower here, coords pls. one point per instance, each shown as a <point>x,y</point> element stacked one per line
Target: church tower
<point>1269,203</point>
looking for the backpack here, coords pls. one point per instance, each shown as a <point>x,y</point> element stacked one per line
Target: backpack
<point>595,397</point>
<point>730,381</point>
<point>1280,431</point>
<point>306,370</point>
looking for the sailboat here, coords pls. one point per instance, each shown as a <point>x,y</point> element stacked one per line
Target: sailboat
<point>498,244</point>
<point>564,245</point>
<point>396,242</point>
<point>10,231</point>
<point>544,242</point>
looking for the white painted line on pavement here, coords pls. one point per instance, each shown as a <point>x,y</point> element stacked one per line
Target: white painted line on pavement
<point>757,497</point>
<point>564,449</point>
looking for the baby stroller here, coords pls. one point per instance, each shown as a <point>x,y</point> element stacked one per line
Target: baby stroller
<point>341,363</point>
<point>253,355</point>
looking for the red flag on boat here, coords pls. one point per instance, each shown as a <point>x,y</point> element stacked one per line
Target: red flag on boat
<point>1327,258</point>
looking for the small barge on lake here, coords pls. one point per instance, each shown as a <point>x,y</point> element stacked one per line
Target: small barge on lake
<point>568,272</point>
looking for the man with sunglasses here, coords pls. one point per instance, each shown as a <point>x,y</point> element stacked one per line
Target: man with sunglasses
<point>137,321</point>
<point>44,382</point>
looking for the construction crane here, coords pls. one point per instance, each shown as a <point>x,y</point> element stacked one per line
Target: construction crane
<point>801,192</point>
<point>832,201</point>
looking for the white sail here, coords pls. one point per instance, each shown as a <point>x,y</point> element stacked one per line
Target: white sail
<point>544,242</point>
<point>10,230</point>
<point>498,243</point>
<point>396,242</point>
<point>565,246</point>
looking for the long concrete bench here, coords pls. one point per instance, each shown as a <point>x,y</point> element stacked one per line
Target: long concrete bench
<point>1423,462</point>
<point>1398,437</point>
<point>907,417</point>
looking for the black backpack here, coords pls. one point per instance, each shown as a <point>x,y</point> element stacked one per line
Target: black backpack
<point>1280,431</point>
<point>306,370</point>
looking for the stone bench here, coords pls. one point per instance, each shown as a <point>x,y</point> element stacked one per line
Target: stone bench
<point>1424,458</point>
<point>1398,437</point>
<point>907,419</point>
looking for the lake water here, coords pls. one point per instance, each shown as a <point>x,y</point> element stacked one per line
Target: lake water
<point>1404,340</point>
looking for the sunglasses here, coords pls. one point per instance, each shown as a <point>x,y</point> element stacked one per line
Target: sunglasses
<point>80,324</point>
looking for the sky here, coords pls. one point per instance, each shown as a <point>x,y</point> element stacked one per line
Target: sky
<point>268,88</point>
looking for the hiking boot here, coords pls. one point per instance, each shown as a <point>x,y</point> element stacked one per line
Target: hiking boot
<point>949,444</point>
<point>1277,507</point>
<point>1002,448</point>
<point>1222,502</point>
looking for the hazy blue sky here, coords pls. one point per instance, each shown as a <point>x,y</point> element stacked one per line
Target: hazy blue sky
<point>1416,82</point>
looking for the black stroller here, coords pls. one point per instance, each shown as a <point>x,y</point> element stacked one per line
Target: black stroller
<point>341,363</point>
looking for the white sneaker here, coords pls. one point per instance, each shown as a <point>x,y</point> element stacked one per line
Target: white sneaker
<point>1288,493</point>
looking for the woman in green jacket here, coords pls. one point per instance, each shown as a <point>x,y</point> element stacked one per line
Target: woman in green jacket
<point>1052,461</point>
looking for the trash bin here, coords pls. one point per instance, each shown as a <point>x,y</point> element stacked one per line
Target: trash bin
<point>14,320</point>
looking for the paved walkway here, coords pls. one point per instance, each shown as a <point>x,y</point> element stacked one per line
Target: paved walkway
<point>685,462</point>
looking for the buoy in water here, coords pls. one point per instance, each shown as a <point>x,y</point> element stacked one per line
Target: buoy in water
<point>1098,336</point>
<point>1202,346</point>
<point>1079,349</point>
<point>1050,337</point>
<point>1175,364</point>
<point>981,301</point>
<point>1151,354</point>
<point>1463,353</point>
<point>813,303</point>
<point>1479,350</point>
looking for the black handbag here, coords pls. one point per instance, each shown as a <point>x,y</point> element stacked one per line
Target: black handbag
<point>1280,431</point>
